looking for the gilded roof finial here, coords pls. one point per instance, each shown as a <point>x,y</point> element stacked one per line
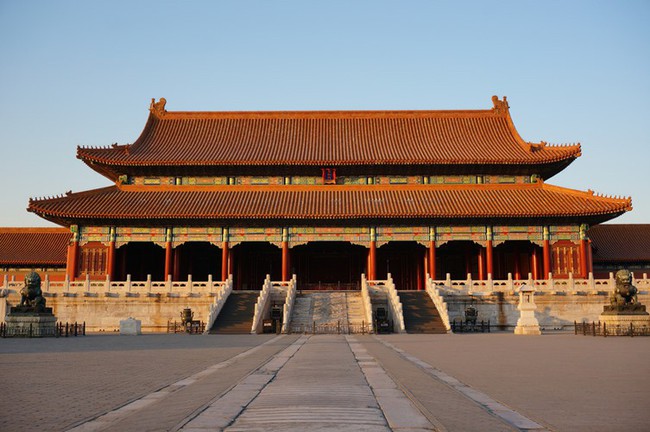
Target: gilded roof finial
<point>158,107</point>
<point>500,106</point>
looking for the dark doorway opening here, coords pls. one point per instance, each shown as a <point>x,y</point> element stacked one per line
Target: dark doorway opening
<point>252,261</point>
<point>404,260</point>
<point>458,258</point>
<point>329,265</point>
<point>140,259</point>
<point>198,259</point>
<point>517,257</point>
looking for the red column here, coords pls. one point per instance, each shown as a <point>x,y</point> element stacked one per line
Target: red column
<point>168,259</point>
<point>534,263</point>
<point>590,257</point>
<point>224,261</point>
<point>285,261</point>
<point>517,274</point>
<point>547,258</point>
<point>481,264</point>
<point>419,271</point>
<point>110,260</point>
<point>73,253</point>
<point>176,268</point>
<point>489,258</point>
<point>583,258</point>
<point>372,260</point>
<point>432,259</point>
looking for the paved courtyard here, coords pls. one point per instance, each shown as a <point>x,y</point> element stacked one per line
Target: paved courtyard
<point>473,382</point>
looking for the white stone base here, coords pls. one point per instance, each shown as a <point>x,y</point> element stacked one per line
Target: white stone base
<point>527,330</point>
<point>131,327</point>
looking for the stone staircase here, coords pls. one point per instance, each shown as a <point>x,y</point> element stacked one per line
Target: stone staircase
<point>236,317</point>
<point>301,318</point>
<point>420,314</point>
<point>356,311</point>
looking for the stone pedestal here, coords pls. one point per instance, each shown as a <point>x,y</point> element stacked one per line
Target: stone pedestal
<point>527,323</point>
<point>622,316</point>
<point>131,327</point>
<point>22,323</point>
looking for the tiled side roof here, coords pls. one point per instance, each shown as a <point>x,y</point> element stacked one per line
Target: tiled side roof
<point>33,246</point>
<point>329,138</point>
<point>621,243</point>
<point>328,202</point>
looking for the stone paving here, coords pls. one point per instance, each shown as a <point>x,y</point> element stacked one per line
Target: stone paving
<point>482,382</point>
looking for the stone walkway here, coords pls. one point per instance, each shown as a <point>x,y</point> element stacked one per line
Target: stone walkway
<point>495,382</point>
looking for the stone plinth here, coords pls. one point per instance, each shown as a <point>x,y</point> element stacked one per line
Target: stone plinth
<point>41,324</point>
<point>624,320</point>
<point>130,327</point>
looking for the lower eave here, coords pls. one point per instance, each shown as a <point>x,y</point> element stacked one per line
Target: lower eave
<point>344,205</point>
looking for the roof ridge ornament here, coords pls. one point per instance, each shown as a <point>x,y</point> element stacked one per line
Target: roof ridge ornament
<point>158,108</point>
<point>500,106</point>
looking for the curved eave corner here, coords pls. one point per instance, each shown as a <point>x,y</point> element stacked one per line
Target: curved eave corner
<point>563,152</point>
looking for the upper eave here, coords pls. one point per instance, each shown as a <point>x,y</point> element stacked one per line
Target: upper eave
<point>328,138</point>
<point>308,204</point>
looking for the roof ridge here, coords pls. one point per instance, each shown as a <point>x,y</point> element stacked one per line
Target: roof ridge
<point>158,110</point>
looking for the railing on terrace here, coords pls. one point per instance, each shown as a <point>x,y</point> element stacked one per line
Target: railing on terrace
<point>570,285</point>
<point>367,303</point>
<point>394,303</point>
<point>190,288</point>
<point>127,288</point>
<point>439,301</point>
<point>289,301</point>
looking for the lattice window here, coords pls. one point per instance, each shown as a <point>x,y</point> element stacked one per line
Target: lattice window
<point>566,259</point>
<point>92,260</point>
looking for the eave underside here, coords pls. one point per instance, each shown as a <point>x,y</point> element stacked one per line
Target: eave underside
<point>546,171</point>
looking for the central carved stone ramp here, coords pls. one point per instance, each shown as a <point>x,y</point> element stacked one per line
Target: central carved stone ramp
<point>329,308</point>
<point>420,314</point>
<point>237,313</point>
<point>329,311</point>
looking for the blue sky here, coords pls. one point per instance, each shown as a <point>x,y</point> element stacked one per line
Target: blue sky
<point>83,73</point>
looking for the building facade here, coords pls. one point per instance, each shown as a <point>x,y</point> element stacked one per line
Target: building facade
<point>329,196</point>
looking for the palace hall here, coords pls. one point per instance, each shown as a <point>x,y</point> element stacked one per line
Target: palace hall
<point>329,196</point>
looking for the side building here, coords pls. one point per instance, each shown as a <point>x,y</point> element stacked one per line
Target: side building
<point>328,196</point>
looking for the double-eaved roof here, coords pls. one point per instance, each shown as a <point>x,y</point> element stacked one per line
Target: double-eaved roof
<point>366,142</point>
<point>329,138</point>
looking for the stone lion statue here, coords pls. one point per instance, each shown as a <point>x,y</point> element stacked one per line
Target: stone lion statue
<point>31,294</point>
<point>625,293</point>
